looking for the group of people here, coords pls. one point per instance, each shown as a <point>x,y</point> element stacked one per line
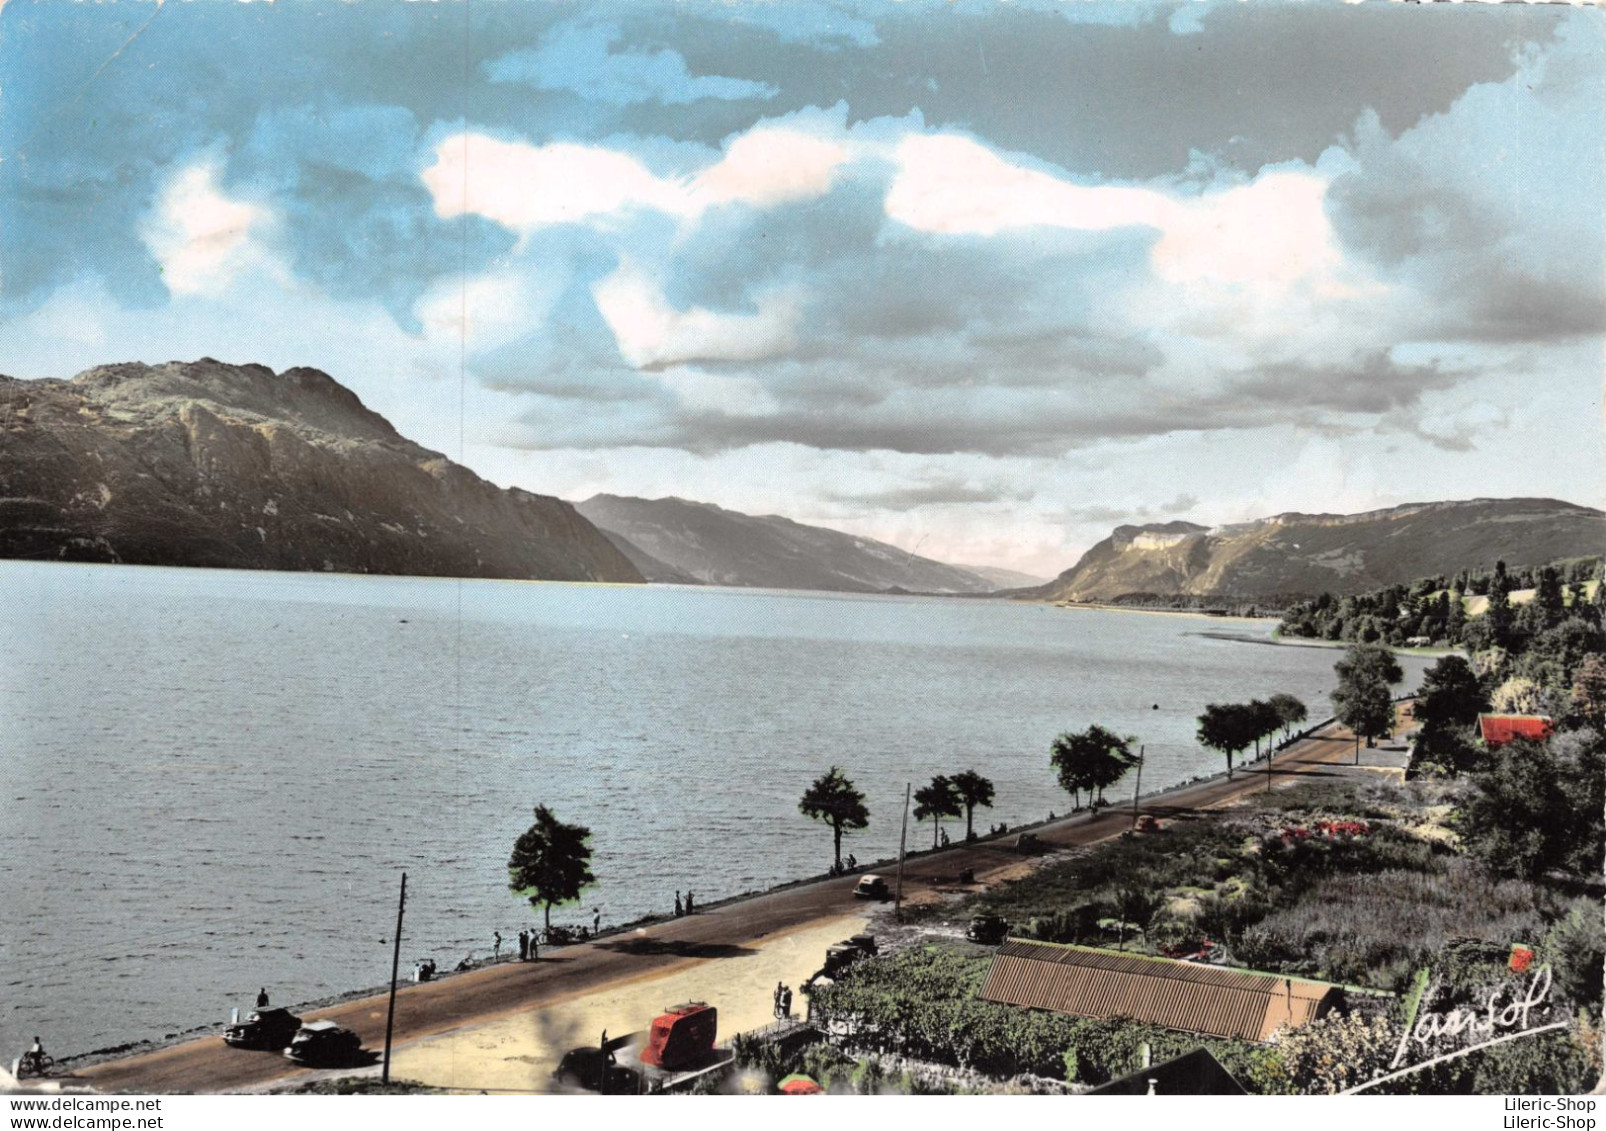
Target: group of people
<point>686,906</point>
<point>843,867</point>
<point>783,1001</point>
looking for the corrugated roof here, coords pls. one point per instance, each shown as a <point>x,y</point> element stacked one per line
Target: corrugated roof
<point>1497,730</point>
<point>1190,996</point>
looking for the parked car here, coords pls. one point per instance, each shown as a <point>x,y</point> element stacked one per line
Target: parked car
<point>596,1068</point>
<point>871,887</point>
<point>847,952</point>
<point>263,1029</point>
<point>1028,844</point>
<point>323,1043</point>
<point>987,928</point>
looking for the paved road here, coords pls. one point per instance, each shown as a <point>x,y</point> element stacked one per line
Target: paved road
<point>206,1065</point>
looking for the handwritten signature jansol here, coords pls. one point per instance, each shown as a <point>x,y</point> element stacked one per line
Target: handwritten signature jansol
<point>1506,1008</point>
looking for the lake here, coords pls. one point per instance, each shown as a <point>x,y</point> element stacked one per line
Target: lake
<point>211,780</point>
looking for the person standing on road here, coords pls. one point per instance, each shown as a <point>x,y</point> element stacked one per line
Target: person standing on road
<point>496,951</point>
<point>688,903</point>
<point>524,946</point>
<point>678,910</point>
<point>786,1003</point>
<point>596,921</point>
<point>262,998</point>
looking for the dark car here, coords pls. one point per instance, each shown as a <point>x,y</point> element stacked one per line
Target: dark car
<point>987,929</point>
<point>596,1068</point>
<point>871,887</point>
<point>321,1043</point>
<point>263,1029</point>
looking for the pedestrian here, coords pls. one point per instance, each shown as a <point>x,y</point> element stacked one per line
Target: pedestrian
<point>678,909</point>
<point>596,920</point>
<point>535,946</point>
<point>688,903</point>
<point>262,998</point>
<point>496,951</point>
<point>786,1002</point>
<point>524,946</point>
<point>776,998</point>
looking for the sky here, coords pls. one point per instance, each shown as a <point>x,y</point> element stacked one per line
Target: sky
<point>979,279</point>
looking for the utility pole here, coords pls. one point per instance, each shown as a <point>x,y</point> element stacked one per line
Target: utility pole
<point>903,837</point>
<point>1137,790</point>
<point>395,965</point>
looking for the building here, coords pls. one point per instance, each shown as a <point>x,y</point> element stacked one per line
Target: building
<point>1497,730</point>
<point>1192,997</point>
<point>1195,1073</point>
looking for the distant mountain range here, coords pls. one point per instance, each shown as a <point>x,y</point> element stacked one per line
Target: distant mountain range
<point>208,464</point>
<point>677,540</point>
<point>1293,555</point>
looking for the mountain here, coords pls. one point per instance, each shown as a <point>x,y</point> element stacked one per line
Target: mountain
<point>1001,578</point>
<point>208,464</point>
<point>1308,554</point>
<point>720,547</point>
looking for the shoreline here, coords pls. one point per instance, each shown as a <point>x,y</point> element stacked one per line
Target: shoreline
<point>928,871</point>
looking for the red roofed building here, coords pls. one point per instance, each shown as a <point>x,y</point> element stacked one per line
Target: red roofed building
<point>1497,730</point>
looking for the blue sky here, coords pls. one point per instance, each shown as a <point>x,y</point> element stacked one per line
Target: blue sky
<point>987,278</point>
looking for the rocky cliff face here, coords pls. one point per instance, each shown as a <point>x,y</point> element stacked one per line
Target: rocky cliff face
<point>208,464</point>
<point>1303,555</point>
<point>715,546</point>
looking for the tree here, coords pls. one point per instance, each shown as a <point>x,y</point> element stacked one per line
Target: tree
<point>1519,822</point>
<point>1518,695</point>
<point>834,799</point>
<point>1262,720</point>
<point>1450,695</point>
<point>1362,697</point>
<point>1224,727</point>
<point>973,790</point>
<point>938,800</point>
<point>551,862</point>
<point>1589,691</point>
<point>1290,712</point>
<point>1090,760</point>
<point>1366,707</point>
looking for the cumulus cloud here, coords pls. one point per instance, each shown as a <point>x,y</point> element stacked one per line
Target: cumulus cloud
<point>524,186</point>
<point>201,236</point>
<point>651,333</point>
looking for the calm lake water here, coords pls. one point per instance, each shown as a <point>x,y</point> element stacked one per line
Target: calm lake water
<point>210,780</point>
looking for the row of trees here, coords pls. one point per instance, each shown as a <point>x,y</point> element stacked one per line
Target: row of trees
<point>1230,728</point>
<point>949,797</point>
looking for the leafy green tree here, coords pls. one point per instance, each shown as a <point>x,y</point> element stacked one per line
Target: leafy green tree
<point>1549,598</point>
<point>1519,822</point>
<point>1362,698</point>
<point>1262,720</point>
<point>1518,695</point>
<point>1589,691</point>
<point>1224,727</point>
<point>973,790</point>
<point>1290,712</point>
<point>834,799</point>
<point>1450,695</point>
<point>551,862</point>
<point>1090,760</point>
<point>1329,1055</point>
<point>938,800</point>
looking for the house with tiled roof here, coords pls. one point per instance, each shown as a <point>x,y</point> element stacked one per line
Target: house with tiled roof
<point>1191,997</point>
<point>1497,730</point>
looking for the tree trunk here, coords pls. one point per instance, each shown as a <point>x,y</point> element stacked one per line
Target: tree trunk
<point>549,917</point>
<point>1229,765</point>
<point>970,832</point>
<point>836,829</point>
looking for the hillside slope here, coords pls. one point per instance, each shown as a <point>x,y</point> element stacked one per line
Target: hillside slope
<point>1304,554</point>
<point>720,547</point>
<point>208,464</point>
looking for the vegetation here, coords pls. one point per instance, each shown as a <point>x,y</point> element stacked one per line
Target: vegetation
<point>551,862</point>
<point>1363,698</point>
<point>974,790</point>
<point>1090,761</point>
<point>834,799</point>
<point>938,800</point>
<point>1233,727</point>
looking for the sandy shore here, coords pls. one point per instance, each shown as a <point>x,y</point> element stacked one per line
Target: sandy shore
<point>517,1052</point>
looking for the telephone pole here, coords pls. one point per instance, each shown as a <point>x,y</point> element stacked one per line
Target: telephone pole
<point>1137,790</point>
<point>395,965</point>
<point>903,836</point>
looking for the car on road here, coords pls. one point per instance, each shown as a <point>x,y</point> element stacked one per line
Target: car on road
<point>263,1029</point>
<point>872,887</point>
<point>323,1043</point>
<point>988,928</point>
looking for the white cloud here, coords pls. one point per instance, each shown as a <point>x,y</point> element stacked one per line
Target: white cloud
<point>201,237</point>
<point>1272,231</point>
<point>650,332</point>
<point>703,392</point>
<point>524,187</point>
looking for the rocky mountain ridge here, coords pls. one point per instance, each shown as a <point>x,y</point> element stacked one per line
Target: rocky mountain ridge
<point>209,464</point>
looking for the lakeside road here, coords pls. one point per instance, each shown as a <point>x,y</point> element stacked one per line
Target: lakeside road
<point>724,932</point>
